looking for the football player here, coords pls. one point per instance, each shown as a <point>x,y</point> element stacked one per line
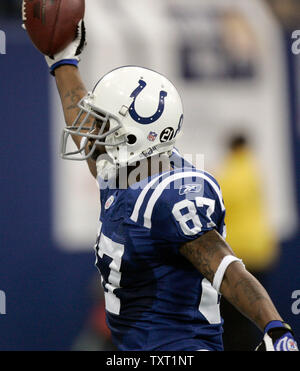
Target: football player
<point>161,247</point>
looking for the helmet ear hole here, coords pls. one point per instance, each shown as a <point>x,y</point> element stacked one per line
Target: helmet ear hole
<point>131,139</point>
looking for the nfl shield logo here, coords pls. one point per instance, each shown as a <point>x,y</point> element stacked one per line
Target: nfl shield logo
<point>152,136</point>
<point>109,202</point>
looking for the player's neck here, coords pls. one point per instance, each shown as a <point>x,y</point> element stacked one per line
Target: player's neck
<point>144,169</point>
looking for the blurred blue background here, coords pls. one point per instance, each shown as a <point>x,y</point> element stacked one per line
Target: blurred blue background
<point>48,290</point>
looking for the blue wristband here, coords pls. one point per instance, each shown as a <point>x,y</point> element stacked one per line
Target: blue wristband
<point>73,62</point>
<point>274,324</point>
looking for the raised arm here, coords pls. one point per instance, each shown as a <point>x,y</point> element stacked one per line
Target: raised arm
<point>71,90</point>
<point>64,66</point>
<point>213,257</point>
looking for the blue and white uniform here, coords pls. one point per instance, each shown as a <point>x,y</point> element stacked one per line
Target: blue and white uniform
<point>155,298</point>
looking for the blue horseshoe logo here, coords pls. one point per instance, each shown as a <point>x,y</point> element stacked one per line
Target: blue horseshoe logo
<point>158,113</point>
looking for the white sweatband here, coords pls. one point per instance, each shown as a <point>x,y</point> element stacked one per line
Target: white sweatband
<point>218,277</point>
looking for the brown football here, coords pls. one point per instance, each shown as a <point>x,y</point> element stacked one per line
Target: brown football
<point>52,24</point>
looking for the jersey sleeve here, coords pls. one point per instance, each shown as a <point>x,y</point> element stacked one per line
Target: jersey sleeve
<point>183,211</point>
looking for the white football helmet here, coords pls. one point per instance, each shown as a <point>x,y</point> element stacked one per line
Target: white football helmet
<point>138,113</point>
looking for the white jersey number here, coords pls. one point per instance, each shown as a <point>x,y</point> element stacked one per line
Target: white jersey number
<point>114,251</point>
<point>209,305</point>
<point>195,225</point>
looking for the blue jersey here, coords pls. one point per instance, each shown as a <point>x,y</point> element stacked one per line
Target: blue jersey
<point>155,298</point>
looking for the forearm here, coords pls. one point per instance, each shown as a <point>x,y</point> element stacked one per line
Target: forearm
<point>71,90</point>
<point>243,291</point>
<point>238,286</point>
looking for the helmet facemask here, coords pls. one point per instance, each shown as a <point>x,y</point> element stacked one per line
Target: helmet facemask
<point>97,125</point>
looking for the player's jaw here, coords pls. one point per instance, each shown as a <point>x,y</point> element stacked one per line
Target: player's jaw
<point>99,149</point>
